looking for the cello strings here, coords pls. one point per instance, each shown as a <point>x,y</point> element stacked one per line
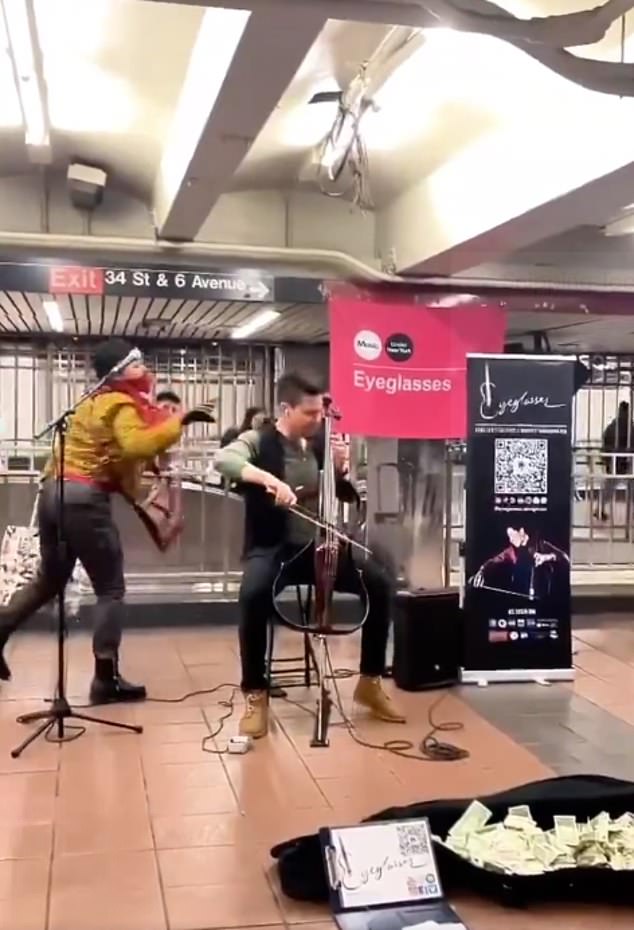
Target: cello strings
<point>310,518</point>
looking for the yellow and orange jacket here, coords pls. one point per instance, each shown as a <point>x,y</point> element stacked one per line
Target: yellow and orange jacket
<point>109,445</point>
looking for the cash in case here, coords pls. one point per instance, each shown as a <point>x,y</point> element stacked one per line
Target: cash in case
<point>384,876</point>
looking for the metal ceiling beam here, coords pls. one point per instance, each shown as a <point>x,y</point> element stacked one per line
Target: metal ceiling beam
<point>484,206</point>
<point>193,175</point>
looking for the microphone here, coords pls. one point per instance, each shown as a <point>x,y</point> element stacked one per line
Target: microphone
<point>135,355</point>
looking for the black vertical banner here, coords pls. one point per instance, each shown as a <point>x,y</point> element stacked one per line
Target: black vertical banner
<point>518,513</point>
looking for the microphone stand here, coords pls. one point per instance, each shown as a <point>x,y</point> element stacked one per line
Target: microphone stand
<point>60,710</point>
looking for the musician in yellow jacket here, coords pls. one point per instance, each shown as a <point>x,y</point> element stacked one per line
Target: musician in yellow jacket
<point>110,441</point>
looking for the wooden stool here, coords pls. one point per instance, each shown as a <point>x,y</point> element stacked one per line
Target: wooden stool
<point>298,675</point>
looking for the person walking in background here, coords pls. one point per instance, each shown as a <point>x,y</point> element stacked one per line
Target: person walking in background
<point>168,400</point>
<point>254,418</point>
<point>617,438</point>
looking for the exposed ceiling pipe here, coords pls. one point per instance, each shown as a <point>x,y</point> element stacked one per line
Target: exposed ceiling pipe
<point>545,38</point>
<point>565,30</point>
<point>474,284</point>
<point>316,259</point>
<point>319,260</point>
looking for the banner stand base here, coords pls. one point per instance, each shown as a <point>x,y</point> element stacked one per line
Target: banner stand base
<point>514,676</point>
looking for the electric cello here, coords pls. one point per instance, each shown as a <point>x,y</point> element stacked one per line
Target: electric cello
<point>330,549</point>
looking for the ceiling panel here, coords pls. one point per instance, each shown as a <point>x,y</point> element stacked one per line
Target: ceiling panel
<point>192,320</point>
<point>23,313</point>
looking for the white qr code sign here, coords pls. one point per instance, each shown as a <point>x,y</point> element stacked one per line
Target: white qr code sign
<point>385,863</point>
<point>521,466</point>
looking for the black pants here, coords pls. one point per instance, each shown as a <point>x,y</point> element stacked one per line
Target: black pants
<point>260,571</point>
<point>92,537</point>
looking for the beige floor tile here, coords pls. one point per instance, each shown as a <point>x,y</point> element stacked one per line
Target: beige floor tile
<point>109,798</point>
<point>210,906</point>
<point>109,891</point>
<point>26,840</point>
<point>187,830</point>
<point>103,831</point>
<point>23,891</point>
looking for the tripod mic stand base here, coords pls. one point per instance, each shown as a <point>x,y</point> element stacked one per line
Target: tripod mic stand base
<point>60,711</point>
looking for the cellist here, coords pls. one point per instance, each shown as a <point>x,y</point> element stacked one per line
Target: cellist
<point>272,463</point>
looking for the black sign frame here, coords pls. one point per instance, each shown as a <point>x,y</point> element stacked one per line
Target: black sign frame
<point>517,598</point>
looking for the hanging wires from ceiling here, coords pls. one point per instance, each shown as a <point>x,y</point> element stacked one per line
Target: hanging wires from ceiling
<point>343,168</point>
<point>342,151</point>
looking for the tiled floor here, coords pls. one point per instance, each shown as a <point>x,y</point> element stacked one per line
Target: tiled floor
<point>122,832</point>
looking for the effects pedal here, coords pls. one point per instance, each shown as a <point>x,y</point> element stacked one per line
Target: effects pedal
<point>238,745</point>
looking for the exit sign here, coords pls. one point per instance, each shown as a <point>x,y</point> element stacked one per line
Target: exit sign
<point>74,279</point>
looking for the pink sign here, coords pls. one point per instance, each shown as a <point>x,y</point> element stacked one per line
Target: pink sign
<point>399,370</point>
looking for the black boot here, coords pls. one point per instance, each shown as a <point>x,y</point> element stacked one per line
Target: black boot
<point>108,687</point>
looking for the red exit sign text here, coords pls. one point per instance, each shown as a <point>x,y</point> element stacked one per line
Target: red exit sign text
<point>73,279</point>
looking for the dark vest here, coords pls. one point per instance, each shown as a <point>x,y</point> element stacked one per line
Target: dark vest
<point>265,523</point>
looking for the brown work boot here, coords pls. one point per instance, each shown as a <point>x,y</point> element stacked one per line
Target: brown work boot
<point>255,720</point>
<point>369,693</point>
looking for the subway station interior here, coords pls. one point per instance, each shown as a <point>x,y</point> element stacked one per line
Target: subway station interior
<point>221,186</point>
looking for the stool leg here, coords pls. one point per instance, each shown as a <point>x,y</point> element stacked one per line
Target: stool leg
<point>269,653</point>
<point>306,660</point>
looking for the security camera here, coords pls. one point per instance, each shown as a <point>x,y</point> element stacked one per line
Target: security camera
<point>86,185</point>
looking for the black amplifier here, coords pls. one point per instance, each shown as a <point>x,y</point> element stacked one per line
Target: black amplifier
<point>427,639</point>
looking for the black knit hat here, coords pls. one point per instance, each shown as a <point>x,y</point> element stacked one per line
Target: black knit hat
<point>108,354</point>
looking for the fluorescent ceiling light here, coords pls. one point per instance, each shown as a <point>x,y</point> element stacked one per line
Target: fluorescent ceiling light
<point>259,321</point>
<point>51,308</point>
<point>21,32</point>
<point>10,111</point>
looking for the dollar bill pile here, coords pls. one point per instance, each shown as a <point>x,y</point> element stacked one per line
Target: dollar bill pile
<point>518,846</point>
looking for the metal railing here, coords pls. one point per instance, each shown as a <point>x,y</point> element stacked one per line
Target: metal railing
<point>37,381</point>
<point>206,560</point>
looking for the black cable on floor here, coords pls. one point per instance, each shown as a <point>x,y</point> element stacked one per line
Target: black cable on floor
<point>430,749</point>
<point>229,704</point>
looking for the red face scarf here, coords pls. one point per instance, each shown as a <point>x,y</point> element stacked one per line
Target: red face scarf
<point>139,390</point>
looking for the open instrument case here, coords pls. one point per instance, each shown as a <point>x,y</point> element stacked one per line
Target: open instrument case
<point>302,873</point>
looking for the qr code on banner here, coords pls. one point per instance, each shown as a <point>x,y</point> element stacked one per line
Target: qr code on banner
<point>521,466</point>
<point>413,839</point>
